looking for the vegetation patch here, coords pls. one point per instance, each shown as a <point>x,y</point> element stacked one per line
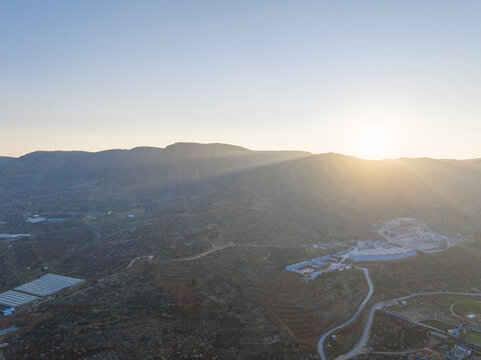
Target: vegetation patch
<point>390,333</point>
<point>466,303</point>
<point>474,337</point>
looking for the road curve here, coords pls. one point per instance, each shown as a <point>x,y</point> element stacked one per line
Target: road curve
<point>365,334</point>
<point>320,344</point>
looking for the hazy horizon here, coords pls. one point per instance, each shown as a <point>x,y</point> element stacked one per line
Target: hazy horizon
<point>368,79</point>
<point>248,148</point>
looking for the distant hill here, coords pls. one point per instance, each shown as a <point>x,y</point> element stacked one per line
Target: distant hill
<point>331,196</point>
<point>288,196</point>
<point>34,181</point>
<point>5,160</point>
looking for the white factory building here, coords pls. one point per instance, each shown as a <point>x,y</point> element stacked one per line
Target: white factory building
<point>311,269</point>
<point>381,253</point>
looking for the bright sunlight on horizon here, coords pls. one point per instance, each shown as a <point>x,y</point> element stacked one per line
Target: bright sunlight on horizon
<point>374,145</point>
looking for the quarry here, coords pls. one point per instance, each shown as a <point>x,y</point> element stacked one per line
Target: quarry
<point>410,232</point>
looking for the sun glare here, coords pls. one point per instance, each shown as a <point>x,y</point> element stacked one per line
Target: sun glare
<point>373,145</point>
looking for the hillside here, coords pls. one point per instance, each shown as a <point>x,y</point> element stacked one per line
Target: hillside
<point>334,197</point>
<point>88,181</point>
<point>281,196</point>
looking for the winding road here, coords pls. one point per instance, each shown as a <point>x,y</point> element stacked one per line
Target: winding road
<point>207,252</point>
<point>320,344</point>
<point>367,327</point>
<point>379,305</point>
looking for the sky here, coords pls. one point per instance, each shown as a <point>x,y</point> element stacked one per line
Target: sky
<point>373,79</point>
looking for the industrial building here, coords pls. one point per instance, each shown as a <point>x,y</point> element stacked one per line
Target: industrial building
<point>381,253</point>
<point>299,268</point>
<point>8,311</point>
<point>323,260</point>
<point>364,245</point>
<point>14,299</point>
<point>318,266</point>
<point>332,267</point>
<point>48,284</point>
<point>35,291</point>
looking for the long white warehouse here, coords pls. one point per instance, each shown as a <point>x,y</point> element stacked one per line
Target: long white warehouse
<point>15,299</point>
<point>381,253</point>
<point>48,284</point>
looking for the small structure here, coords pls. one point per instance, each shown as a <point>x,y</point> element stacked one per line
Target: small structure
<point>364,245</point>
<point>13,236</point>
<point>316,274</point>
<point>36,219</point>
<point>462,350</point>
<point>457,353</point>
<point>449,357</point>
<point>457,332</point>
<point>131,216</point>
<point>299,267</point>
<point>332,267</point>
<point>8,311</point>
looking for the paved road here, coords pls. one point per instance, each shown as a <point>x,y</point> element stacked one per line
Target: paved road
<point>320,344</point>
<point>364,338</point>
<point>365,335</point>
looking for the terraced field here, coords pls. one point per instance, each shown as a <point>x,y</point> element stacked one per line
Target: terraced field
<point>474,337</point>
<point>456,269</point>
<point>304,309</point>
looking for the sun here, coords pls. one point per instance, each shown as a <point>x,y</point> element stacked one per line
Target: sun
<point>373,145</point>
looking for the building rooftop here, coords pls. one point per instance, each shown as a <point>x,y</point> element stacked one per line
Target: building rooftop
<point>15,299</point>
<point>48,284</point>
<point>382,251</point>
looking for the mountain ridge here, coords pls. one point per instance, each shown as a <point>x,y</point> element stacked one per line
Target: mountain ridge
<point>337,186</point>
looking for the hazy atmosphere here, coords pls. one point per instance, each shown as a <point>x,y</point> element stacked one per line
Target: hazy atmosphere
<point>372,79</point>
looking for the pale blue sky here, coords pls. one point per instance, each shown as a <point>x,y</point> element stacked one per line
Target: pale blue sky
<point>311,75</point>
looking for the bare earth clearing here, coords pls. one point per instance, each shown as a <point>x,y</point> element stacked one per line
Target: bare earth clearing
<point>413,233</point>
